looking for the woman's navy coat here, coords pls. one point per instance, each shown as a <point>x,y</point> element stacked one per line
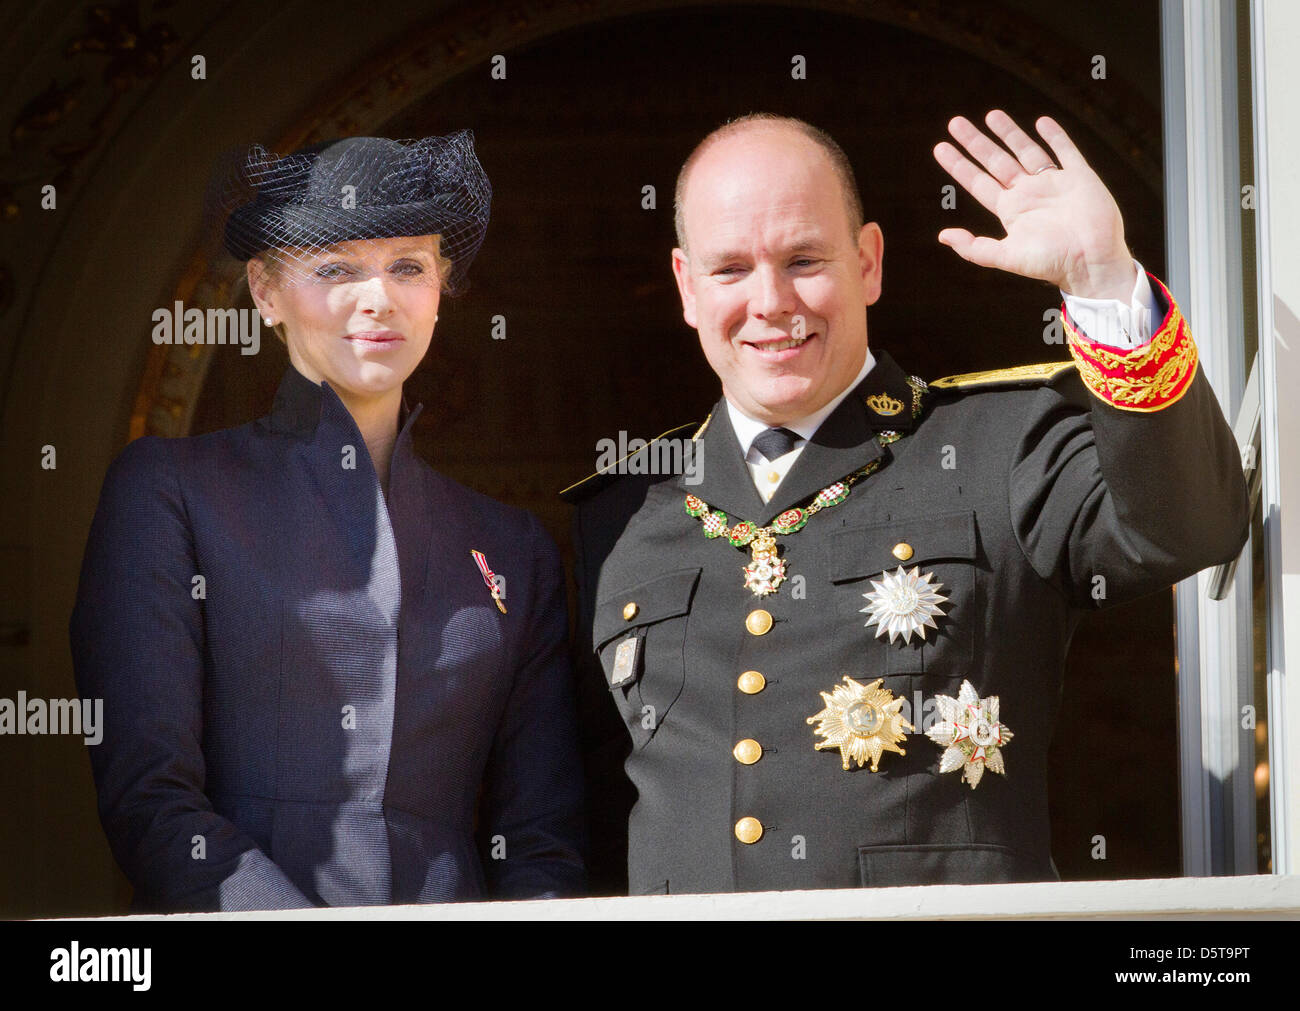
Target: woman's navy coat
<point>310,697</point>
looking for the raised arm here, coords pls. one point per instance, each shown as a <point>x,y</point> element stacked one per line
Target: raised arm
<point>1062,225</point>
<point>1141,482</point>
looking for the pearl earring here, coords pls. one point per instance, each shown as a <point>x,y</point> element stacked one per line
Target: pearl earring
<point>267,321</point>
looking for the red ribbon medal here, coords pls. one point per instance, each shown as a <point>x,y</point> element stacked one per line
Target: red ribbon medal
<point>489,577</point>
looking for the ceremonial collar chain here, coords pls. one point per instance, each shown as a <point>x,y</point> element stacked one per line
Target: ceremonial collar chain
<point>766,570</point>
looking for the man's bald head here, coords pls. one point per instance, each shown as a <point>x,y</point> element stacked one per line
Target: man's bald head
<point>769,121</point>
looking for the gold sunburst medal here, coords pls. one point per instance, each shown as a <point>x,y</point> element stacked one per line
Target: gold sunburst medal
<point>863,721</point>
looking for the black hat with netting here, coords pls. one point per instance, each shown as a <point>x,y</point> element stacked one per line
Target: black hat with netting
<point>356,188</point>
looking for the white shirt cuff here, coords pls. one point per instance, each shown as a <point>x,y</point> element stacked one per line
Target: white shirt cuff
<point>1110,322</point>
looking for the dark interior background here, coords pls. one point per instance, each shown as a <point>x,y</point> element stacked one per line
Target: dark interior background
<point>596,343</point>
<point>590,114</point>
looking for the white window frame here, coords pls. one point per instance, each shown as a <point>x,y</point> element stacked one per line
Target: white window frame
<point>1275,30</point>
<point>1203,237</point>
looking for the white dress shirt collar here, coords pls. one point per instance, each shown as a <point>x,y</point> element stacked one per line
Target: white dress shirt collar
<point>747,429</point>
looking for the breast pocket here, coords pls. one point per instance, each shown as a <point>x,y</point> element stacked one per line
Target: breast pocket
<point>916,577</point>
<point>639,633</point>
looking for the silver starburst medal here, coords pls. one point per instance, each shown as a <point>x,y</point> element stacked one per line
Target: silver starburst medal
<point>903,603</point>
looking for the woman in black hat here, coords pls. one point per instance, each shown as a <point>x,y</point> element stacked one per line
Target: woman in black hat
<point>331,675</point>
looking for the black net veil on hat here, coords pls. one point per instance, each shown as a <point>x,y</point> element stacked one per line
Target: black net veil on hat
<point>298,204</point>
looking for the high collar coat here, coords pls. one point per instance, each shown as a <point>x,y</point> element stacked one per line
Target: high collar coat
<point>310,696</point>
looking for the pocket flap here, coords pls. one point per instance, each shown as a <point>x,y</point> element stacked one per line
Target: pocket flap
<point>666,596</point>
<point>948,864</point>
<point>856,552</point>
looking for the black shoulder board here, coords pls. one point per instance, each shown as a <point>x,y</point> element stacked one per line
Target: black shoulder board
<point>603,478</point>
<point>1018,375</point>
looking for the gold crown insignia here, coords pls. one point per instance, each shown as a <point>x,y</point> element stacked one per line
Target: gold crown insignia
<point>883,403</point>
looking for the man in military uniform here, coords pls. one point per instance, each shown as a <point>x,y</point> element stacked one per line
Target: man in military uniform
<point>860,543</point>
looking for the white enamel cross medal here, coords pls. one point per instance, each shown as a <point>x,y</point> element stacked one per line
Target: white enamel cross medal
<point>971,734</point>
<point>766,572</point>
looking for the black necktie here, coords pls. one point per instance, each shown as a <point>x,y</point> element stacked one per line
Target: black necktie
<point>775,442</point>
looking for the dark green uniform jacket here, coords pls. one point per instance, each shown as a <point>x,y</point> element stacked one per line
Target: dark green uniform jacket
<point>1031,502</point>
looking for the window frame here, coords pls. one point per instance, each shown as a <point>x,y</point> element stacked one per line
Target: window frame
<point>1201,77</point>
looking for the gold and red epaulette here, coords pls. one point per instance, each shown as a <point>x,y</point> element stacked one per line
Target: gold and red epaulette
<point>1148,378</point>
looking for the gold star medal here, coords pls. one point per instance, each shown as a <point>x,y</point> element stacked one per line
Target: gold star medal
<point>863,721</point>
<point>969,730</point>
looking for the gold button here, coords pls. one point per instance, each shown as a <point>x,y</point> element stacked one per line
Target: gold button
<point>749,830</point>
<point>774,477</point>
<point>758,622</point>
<point>751,682</point>
<point>629,611</point>
<point>902,551</point>
<point>748,751</point>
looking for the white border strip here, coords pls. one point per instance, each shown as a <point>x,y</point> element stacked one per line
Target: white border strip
<point>1285,845</point>
<point>1259,896</point>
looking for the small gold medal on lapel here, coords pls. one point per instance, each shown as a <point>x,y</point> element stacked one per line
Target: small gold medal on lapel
<point>863,721</point>
<point>969,730</point>
<point>903,603</point>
